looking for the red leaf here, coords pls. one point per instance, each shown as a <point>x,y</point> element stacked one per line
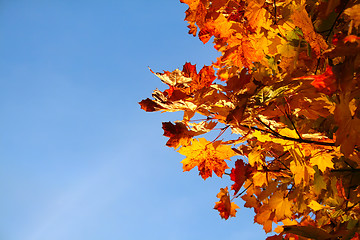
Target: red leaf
<point>326,82</point>
<point>275,237</point>
<point>239,174</point>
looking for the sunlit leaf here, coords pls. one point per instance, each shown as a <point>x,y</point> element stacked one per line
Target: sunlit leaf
<point>207,157</point>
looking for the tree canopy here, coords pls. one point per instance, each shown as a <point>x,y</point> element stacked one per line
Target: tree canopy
<point>287,88</point>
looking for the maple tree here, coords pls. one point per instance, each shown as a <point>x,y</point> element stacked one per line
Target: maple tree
<point>286,91</point>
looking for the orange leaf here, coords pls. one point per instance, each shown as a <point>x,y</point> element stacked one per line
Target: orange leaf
<point>265,217</point>
<point>198,81</point>
<point>301,19</point>
<point>225,207</point>
<point>207,157</point>
<point>251,201</point>
<point>281,205</point>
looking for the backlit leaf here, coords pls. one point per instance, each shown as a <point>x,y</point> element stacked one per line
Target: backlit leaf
<point>207,157</point>
<point>224,206</point>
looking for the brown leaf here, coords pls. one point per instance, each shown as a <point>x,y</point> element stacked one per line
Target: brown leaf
<point>178,134</point>
<point>149,105</point>
<point>309,232</point>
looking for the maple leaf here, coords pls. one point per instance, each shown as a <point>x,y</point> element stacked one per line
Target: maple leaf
<point>251,201</point>
<point>302,173</point>
<point>322,160</point>
<point>225,207</point>
<point>348,133</point>
<point>239,174</point>
<point>301,19</point>
<point>257,15</point>
<point>199,80</point>
<point>194,14</point>
<point>341,190</point>
<point>163,102</point>
<point>178,134</point>
<point>325,83</point>
<point>275,237</point>
<point>281,205</point>
<point>265,217</point>
<point>260,179</point>
<point>300,168</point>
<point>207,156</point>
<point>319,182</point>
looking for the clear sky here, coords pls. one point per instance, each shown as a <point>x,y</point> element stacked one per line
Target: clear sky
<point>79,159</point>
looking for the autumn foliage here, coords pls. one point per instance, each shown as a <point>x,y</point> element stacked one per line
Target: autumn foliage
<point>284,101</point>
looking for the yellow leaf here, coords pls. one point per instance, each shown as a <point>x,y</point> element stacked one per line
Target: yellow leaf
<point>288,132</point>
<point>319,183</point>
<point>255,156</point>
<point>314,205</point>
<point>302,173</point>
<point>287,222</point>
<point>265,137</point>
<point>322,160</point>
<point>257,16</point>
<point>259,179</point>
<point>207,157</point>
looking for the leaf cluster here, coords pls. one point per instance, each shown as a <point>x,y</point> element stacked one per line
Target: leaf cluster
<point>287,90</point>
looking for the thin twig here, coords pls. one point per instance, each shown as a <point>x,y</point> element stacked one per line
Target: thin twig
<point>337,18</point>
<point>221,133</point>
<point>290,118</point>
<point>277,158</point>
<point>243,191</point>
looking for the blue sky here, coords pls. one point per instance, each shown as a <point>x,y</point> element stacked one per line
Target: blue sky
<point>79,159</point>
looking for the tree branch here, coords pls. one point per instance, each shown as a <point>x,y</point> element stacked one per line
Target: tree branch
<point>299,140</point>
